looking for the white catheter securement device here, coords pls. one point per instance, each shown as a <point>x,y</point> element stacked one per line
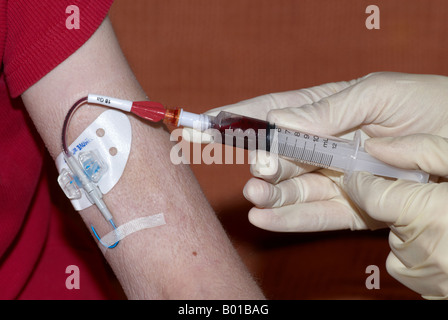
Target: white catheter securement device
<point>103,149</point>
<point>90,158</point>
<point>93,164</point>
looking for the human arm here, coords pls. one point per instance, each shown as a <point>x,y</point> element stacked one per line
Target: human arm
<point>190,256</point>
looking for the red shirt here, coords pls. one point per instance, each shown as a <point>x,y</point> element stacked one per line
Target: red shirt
<point>40,236</point>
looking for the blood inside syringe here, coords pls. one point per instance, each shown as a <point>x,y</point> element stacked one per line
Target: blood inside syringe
<point>243,132</point>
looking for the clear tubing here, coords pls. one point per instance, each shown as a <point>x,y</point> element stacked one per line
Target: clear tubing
<point>324,152</point>
<point>93,193</point>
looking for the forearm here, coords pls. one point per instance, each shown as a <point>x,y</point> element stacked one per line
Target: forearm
<point>190,256</point>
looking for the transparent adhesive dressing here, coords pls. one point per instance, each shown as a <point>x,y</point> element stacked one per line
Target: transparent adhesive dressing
<point>324,152</point>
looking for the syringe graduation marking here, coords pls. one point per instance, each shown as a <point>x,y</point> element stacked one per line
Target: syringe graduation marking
<point>303,154</point>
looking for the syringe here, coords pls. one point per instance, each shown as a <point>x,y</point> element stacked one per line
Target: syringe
<point>243,132</point>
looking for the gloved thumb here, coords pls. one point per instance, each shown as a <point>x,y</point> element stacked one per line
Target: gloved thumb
<point>424,152</point>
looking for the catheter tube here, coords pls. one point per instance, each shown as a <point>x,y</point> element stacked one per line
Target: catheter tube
<point>92,190</point>
<point>67,120</point>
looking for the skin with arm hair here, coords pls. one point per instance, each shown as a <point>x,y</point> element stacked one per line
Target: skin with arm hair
<point>190,257</point>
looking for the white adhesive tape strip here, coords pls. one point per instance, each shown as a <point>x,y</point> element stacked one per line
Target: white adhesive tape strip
<point>130,227</point>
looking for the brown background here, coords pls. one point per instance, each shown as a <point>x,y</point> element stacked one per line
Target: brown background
<point>202,54</point>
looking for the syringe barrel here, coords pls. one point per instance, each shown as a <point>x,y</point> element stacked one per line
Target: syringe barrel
<point>365,162</point>
<point>243,132</point>
<point>326,152</point>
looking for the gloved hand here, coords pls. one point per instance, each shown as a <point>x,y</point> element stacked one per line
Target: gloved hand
<point>292,197</point>
<point>383,105</point>
<point>289,187</point>
<point>417,213</point>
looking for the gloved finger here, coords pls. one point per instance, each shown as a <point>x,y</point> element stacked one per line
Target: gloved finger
<point>409,257</point>
<point>420,261</point>
<point>306,188</point>
<point>416,277</point>
<point>349,108</point>
<point>259,107</point>
<point>400,272</point>
<point>387,200</point>
<point>305,217</point>
<point>416,152</point>
<point>273,169</point>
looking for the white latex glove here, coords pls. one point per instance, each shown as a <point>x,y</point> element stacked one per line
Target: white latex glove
<point>417,213</point>
<point>381,104</point>
<point>411,108</point>
<point>289,197</point>
<point>286,190</point>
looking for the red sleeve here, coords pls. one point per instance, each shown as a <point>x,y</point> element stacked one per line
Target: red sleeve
<point>38,239</point>
<point>38,39</point>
